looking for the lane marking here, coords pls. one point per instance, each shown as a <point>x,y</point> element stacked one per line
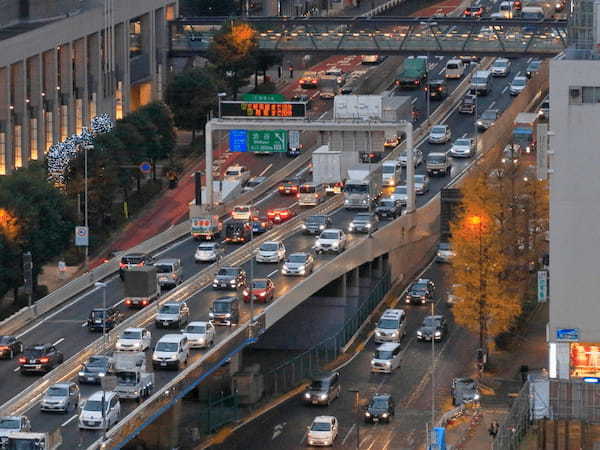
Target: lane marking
<point>414,100</point>
<point>58,342</point>
<point>265,170</point>
<point>16,369</point>
<point>441,71</point>
<point>272,273</point>
<point>348,433</point>
<point>505,88</point>
<point>69,421</point>
<point>492,104</point>
<point>83,325</point>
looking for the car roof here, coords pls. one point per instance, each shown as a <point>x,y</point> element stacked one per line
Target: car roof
<point>11,417</point>
<point>134,329</point>
<point>382,396</point>
<point>225,299</point>
<point>393,313</point>
<point>171,338</point>
<point>422,280</point>
<point>323,419</point>
<point>207,244</point>
<point>96,396</point>
<point>436,154</point>
<point>299,254</point>
<point>171,303</point>
<point>135,255</point>
<point>337,230</point>
<point>197,323</point>
<point>231,267</point>
<point>520,77</point>
<point>167,261</point>
<point>388,346</point>
<point>63,385</point>
<point>271,242</point>
<point>436,317</point>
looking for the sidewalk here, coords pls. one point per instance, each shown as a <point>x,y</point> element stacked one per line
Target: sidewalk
<point>501,384</point>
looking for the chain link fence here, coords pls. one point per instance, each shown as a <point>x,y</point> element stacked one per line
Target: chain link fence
<point>291,373</point>
<point>516,424</point>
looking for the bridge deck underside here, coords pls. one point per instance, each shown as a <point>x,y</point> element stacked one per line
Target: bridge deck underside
<point>462,38</point>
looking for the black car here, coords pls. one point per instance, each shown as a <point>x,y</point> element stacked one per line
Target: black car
<point>230,278</point>
<point>388,208</point>
<point>134,260</point>
<point>533,67</point>
<point>93,368</point>
<point>40,358</point>
<point>487,119</point>
<point>261,224</point>
<point>238,232</point>
<point>101,318</point>
<point>316,224</point>
<point>381,408</point>
<point>433,327</point>
<point>9,347</point>
<point>464,391</point>
<point>420,292</point>
<point>291,186</point>
<point>370,157</point>
<point>438,89</point>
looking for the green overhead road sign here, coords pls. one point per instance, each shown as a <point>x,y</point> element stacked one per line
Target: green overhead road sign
<point>267,141</point>
<point>263,98</point>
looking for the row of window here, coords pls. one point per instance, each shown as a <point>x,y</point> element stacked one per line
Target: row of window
<point>579,95</point>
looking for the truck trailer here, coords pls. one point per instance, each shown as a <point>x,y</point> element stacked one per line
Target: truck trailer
<point>134,381</point>
<point>32,441</point>
<point>330,168</point>
<point>141,286</point>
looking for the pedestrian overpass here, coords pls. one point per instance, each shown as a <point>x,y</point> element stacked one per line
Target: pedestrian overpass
<point>382,35</point>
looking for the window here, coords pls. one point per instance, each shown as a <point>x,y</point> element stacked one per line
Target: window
<point>584,94</point>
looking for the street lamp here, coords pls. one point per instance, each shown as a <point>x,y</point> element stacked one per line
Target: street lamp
<point>220,95</point>
<point>475,132</point>
<point>85,201</point>
<point>356,393</point>
<point>104,425</point>
<point>476,222</point>
<point>100,285</point>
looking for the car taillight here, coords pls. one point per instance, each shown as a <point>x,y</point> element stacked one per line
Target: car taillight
<point>3,347</point>
<point>128,302</point>
<point>285,213</point>
<point>44,360</point>
<point>122,265</point>
<point>263,224</point>
<point>144,302</point>
<point>297,195</point>
<point>140,264</point>
<point>22,360</point>
<point>281,188</point>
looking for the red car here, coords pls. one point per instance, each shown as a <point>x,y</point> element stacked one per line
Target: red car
<point>474,11</point>
<point>263,290</point>
<point>280,215</point>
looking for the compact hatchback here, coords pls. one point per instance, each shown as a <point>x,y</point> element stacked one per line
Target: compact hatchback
<point>200,334</point>
<point>172,314</point>
<point>386,358</point>
<point>61,397</point>
<point>298,264</point>
<point>322,431</point>
<point>171,351</point>
<point>169,272</point>
<point>331,240</point>
<point>100,411</point>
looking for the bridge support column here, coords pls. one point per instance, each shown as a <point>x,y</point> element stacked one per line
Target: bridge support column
<point>353,282</point>
<point>340,286</point>
<point>164,432</point>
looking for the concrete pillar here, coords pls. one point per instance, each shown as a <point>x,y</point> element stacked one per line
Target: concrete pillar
<point>36,134</point>
<point>123,68</point>
<point>161,45</point>
<point>151,50</point>
<point>378,267</point>
<point>164,432</point>
<point>353,282</point>
<point>66,97</point>
<point>95,80</point>
<point>20,126</point>
<point>236,363</point>
<point>80,76</point>
<point>5,121</point>
<point>340,286</point>
<point>51,93</point>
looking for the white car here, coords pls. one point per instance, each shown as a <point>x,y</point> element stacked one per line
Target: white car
<point>501,67</point>
<point>208,252</point>
<point>242,212</point>
<point>439,134</point>
<point>200,334</point>
<point>518,84</point>
<point>417,157</point>
<point>386,358</point>
<point>13,424</point>
<point>270,252</point>
<point>444,253</point>
<point>134,340</point>
<point>253,183</point>
<point>171,351</point>
<point>237,173</point>
<point>93,418</point>
<point>331,240</point>
<point>463,148</point>
<point>322,431</point>
<point>400,194</point>
<point>338,73</point>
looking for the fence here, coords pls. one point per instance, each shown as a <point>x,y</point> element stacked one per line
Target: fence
<point>516,424</point>
<point>291,373</point>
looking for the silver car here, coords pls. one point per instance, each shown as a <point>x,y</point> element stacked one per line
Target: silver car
<point>208,252</point>
<point>518,84</point>
<point>298,264</point>
<point>172,314</point>
<point>501,67</point>
<point>12,424</point>
<point>439,134</point>
<point>421,184</point>
<point>62,397</point>
<point>417,157</point>
<point>169,272</point>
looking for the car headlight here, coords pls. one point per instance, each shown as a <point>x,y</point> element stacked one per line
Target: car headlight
<point>246,292</point>
<point>367,414</point>
<point>364,202</point>
<point>215,282</point>
<point>479,122</point>
<point>323,396</point>
<point>419,333</point>
<point>476,397</point>
<point>211,314</point>
<point>378,333</point>
<point>302,270</point>
<point>395,334</point>
<point>284,268</point>
<point>346,202</point>
<point>101,374</point>
<point>385,415</point>
<point>81,374</point>
<point>368,225</point>
<point>304,226</point>
<point>438,333</point>
<point>407,299</point>
<point>263,294</point>
<point>228,315</point>
<point>232,282</point>
<point>321,227</point>
<point>307,395</point>
<point>388,363</point>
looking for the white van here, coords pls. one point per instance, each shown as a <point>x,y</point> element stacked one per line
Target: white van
<point>481,83</point>
<point>386,358</point>
<point>391,172</point>
<point>172,350</point>
<point>391,326</point>
<point>311,194</point>
<point>93,418</point>
<point>506,10</point>
<point>455,68</point>
<point>237,173</point>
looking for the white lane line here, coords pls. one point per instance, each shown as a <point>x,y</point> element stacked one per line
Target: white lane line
<point>441,71</point>
<point>348,433</point>
<point>293,204</point>
<point>492,104</point>
<point>84,324</point>
<point>70,420</point>
<point>505,88</point>
<point>303,437</point>
<point>16,369</point>
<point>266,170</point>
<point>464,135</point>
<point>58,342</point>
<point>272,273</point>
<point>414,100</point>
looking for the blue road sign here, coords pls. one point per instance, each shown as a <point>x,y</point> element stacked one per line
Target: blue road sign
<point>145,167</point>
<point>238,140</point>
<point>567,334</point>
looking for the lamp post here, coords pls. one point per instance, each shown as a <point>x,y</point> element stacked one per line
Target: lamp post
<point>100,285</point>
<point>476,222</point>
<point>104,424</point>
<point>220,95</point>
<point>432,369</point>
<point>85,200</point>
<point>251,278</point>
<point>356,393</point>
<point>476,107</point>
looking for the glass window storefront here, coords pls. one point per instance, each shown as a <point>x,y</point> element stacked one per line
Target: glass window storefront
<point>585,360</point>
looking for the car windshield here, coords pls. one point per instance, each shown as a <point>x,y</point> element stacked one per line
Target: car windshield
<point>169,309</point>
<point>388,324</point>
<point>227,271</point>
<point>197,329</point>
<point>480,80</point>
<point>56,391</point>
<point>500,63</point>
<point>438,130</point>
<point>241,209</point>
<point>164,268</point>
<point>9,424</point>
<point>94,405</point>
<point>329,235</point>
<point>379,403</point>
<point>221,307</point>
<point>400,190</point>
<point>362,218</point>
<point>436,159</point>
<point>297,258</point>
<point>387,203</point>
<point>96,361</point>
<point>444,246</point>
<point>259,284</point>
<point>96,315</point>
<point>316,219</point>
<point>489,115</point>
<point>519,82</point>
<point>33,352</point>
<point>167,347</point>
<point>131,334</point>
<point>430,322</point>
<point>320,426</point>
<point>319,385</point>
<point>468,100</point>
<point>206,247</point>
<point>356,188</point>
<point>269,247</point>
<point>466,384</point>
<point>420,178</point>
<point>232,173</point>
<point>383,354</point>
<point>452,66</point>
<point>253,182</point>
<point>132,259</point>
<point>127,378</point>
<point>462,142</point>
<point>533,65</point>
<point>389,168</point>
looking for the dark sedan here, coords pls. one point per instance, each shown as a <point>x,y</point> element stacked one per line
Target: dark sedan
<point>94,369</point>
<point>261,224</point>
<point>10,346</point>
<point>420,292</point>
<point>40,358</point>
<point>388,208</point>
<point>381,408</point>
<point>464,391</point>
<point>433,327</point>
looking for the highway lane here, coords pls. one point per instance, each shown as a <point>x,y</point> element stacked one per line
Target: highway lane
<point>200,302</point>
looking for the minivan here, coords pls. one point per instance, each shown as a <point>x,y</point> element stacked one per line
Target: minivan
<point>455,68</point>
<point>101,318</point>
<point>481,82</point>
<point>92,416</point>
<point>391,326</point>
<point>311,194</point>
<point>386,358</point>
<point>225,311</point>
<point>324,388</point>
<point>171,351</point>
<point>391,173</point>
<point>169,272</point>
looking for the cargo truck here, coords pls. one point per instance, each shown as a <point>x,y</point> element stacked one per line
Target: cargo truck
<point>413,73</point>
<point>32,441</point>
<point>363,186</point>
<point>203,225</point>
<point>133,379</point>
<point>524,131</point>
<point>330,168</point>
<point>141,286</point>
<point>328,86</point>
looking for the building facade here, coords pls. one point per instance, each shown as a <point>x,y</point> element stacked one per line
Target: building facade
<point>574,327</point>
<point>66,61</point>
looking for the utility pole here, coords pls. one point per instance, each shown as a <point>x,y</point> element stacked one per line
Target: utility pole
<point>28,276</point>
<point>432,369</point>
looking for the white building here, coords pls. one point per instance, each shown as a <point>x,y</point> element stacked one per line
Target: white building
<point>574,327</point>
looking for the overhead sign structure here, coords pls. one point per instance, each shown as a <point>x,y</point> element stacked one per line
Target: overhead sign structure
<point>542,286</point>
<point>295,110</point>
<point>358,107</point>
<point>263,98</point>
<point>268,141</point>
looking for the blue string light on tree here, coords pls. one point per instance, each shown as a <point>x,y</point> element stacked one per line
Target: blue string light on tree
<point>62,153</point>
